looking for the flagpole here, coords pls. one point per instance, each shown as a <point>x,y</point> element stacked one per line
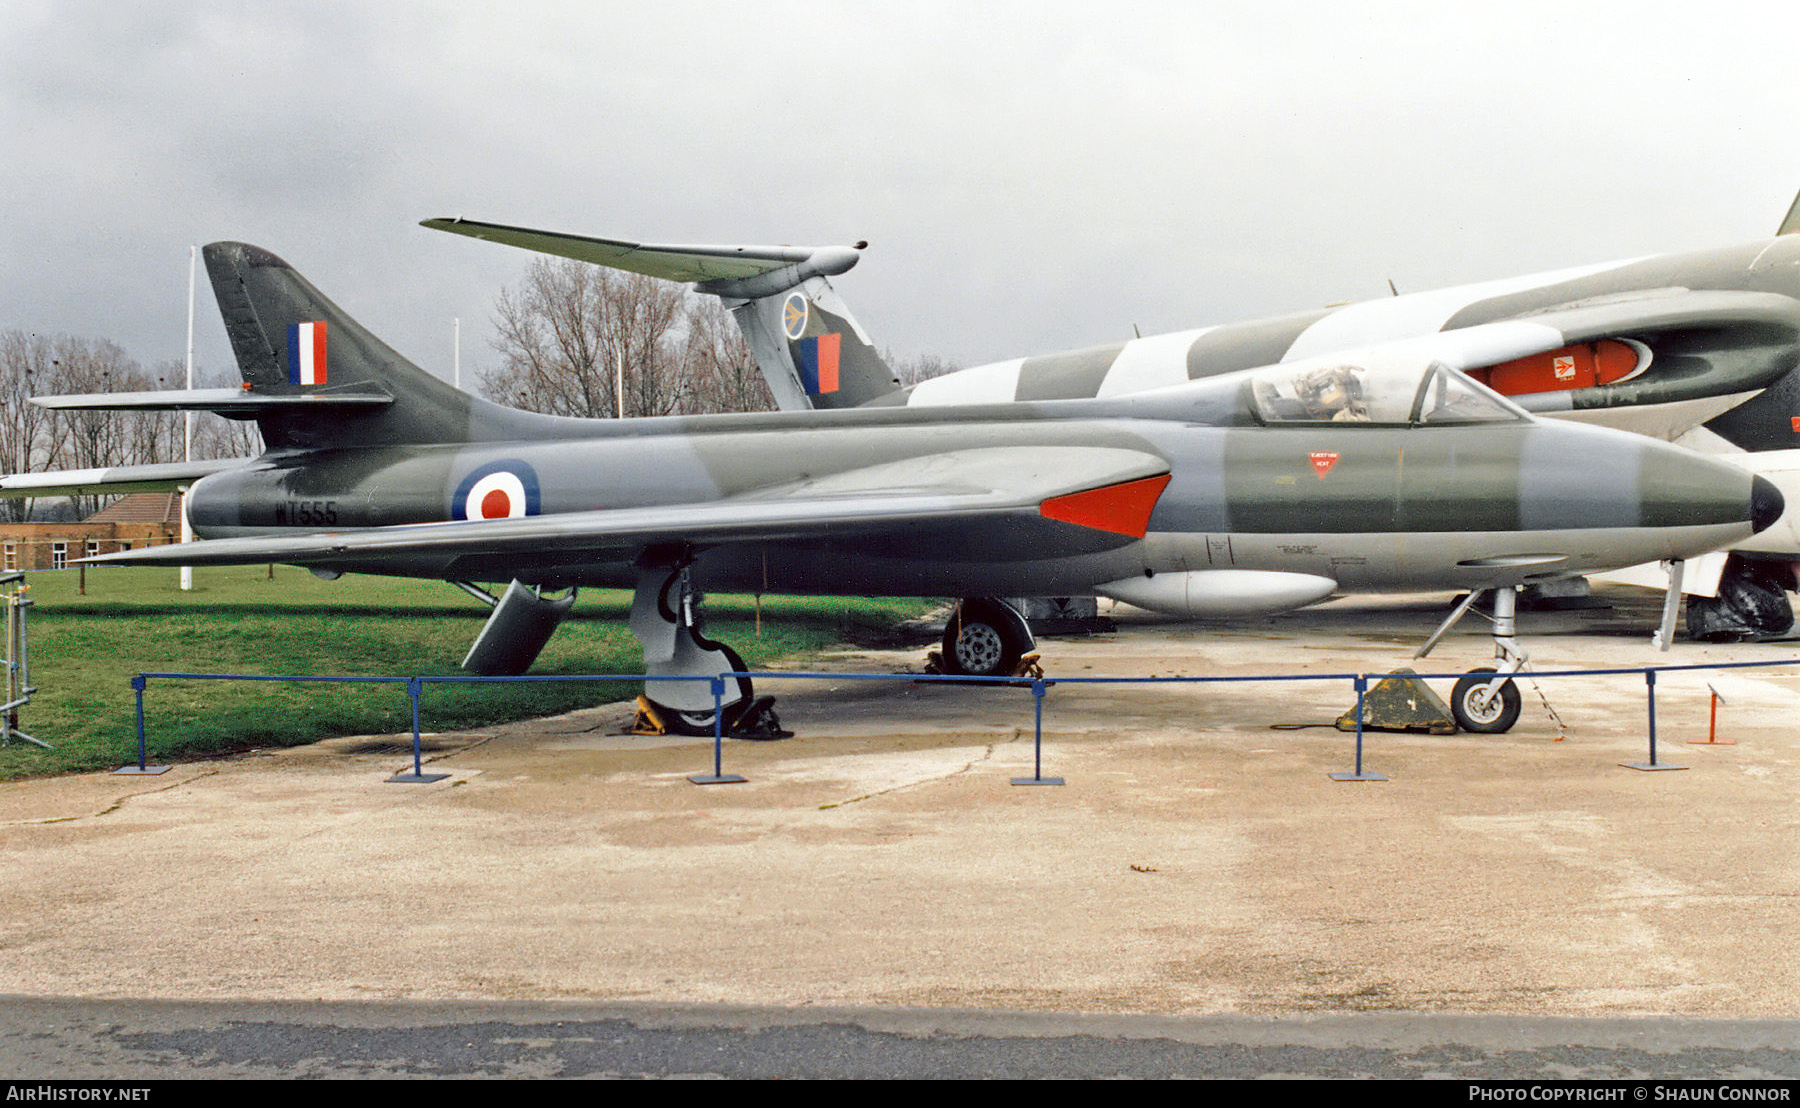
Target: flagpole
<point>187,422</point>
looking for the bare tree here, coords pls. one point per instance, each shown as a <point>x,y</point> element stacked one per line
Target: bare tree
<point>25,370</point>
<point>94,439</point>
<point>564,332</point>
<point>569,328</point>
<point>33,439</point>
<point>722,373</point>
<point>214,435</point>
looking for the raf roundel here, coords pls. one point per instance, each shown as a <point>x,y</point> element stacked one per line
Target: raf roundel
<point>497,492</point>
<point>496,496</point>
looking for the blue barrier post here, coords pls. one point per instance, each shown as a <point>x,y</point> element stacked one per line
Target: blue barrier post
<point>1362,685</point>
<point>1037,741</point>
<point>718,776</point>
<point>1650,692</point>
<point>418,776</point>
<point>137,685</point>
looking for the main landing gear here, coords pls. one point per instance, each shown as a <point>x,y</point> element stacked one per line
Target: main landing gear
<point>985,637</point>
<point>1486,700</point>
<point>666,619</point>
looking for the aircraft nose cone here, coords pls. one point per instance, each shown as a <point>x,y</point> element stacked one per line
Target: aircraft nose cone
<point>1766,503</point>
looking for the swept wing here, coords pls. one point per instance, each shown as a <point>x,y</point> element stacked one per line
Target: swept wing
<point>984,500</point>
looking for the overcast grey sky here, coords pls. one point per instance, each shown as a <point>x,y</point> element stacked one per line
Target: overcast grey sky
<point>1031,176</point>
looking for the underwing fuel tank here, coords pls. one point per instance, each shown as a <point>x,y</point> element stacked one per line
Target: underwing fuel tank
<point>1220,593</point>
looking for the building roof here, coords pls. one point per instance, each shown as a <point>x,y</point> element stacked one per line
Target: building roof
<point>141,507</point>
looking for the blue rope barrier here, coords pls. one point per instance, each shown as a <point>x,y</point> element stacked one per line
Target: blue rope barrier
<point>1038,686</point>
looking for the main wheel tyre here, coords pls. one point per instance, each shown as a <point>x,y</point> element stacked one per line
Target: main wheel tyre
<point>1495,716</point>
<point>980,642</point>
<point>688,722</point>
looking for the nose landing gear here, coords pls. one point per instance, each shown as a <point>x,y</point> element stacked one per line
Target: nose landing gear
<point>1485,701</point>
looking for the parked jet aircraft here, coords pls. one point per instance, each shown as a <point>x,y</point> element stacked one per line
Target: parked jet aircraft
<point>1380,467</point>
<point>1658,345</point>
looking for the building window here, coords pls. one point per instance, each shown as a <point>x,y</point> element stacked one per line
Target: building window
<point>93,548</point>
<point>12,556</point>
<point>59,555</point>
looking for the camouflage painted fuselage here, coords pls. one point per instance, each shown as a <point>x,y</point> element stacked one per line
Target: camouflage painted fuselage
<point>1370,507</point>
<point>1743,383</point>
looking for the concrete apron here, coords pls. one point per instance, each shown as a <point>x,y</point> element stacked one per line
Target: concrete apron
<point>1197,861</point>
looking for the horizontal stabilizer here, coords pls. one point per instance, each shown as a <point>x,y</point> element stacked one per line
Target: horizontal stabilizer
<point>226,402</point>
<point>160,477</point>
<point>808,345</point>
<point>671,263</point>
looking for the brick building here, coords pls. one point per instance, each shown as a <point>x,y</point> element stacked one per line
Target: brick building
<point>142,519</point>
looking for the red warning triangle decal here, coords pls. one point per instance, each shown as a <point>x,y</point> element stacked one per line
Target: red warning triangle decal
<point>1322,461</point>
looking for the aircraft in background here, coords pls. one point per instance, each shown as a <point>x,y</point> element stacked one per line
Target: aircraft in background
<point>1379,467</point>
<point>1689,347</point>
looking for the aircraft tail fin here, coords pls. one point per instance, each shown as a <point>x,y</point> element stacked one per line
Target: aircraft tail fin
<point>311,372</point>
<point>1790,224</point>
<point>809,347</point>
<point>807,337</point>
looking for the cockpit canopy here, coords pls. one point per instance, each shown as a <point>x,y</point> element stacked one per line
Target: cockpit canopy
<point>1374,391</point>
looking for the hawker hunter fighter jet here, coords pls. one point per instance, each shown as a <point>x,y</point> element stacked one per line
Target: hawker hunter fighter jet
<point>1383,465</point>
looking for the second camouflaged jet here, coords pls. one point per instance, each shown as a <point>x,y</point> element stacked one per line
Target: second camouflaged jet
<point>1692,348</point>
<point>1380,468</point>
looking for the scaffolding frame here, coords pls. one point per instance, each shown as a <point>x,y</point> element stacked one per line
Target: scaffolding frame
<point>18,661</point>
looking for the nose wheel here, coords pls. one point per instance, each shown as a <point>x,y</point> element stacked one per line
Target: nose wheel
<point>1486,701</point>
<point>1484,705</point>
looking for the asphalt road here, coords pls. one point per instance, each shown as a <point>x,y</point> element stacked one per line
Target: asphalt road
<point>76,1040</point>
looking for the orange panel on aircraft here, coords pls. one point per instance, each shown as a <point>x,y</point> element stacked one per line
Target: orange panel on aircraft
<point>1123,509</point>
<point>1582,366</point>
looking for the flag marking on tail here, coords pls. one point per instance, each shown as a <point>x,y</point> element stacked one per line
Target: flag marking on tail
<point>306,354</point>
<point>817,360</point>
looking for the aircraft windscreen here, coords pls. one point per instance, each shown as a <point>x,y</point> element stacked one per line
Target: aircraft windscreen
<point>1390,395</point>
<point>1452,398</point>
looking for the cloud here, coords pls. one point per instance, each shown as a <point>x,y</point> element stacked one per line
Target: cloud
<point>1032,176</point>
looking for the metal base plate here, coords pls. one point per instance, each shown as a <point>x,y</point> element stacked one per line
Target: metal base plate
<point>1650,765</point>
<point>1037,780</point>
<point>416,778</point>
<point>717,779</point>
<point>1357,777</point>
<point>140,771</point>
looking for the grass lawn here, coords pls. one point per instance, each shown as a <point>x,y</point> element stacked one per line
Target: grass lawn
<point>86,648</point>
